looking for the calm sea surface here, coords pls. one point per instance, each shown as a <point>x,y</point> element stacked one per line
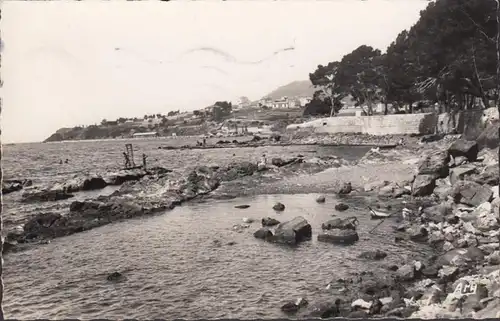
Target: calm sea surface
<point>177,264</point>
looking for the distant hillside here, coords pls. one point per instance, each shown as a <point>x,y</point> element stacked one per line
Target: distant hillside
<point>296,88</point>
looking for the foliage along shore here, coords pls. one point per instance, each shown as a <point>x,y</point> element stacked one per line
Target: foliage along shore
<point>449,57</point>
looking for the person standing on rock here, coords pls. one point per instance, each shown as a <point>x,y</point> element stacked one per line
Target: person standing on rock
<point>144,157</point>
<point>204,141</point>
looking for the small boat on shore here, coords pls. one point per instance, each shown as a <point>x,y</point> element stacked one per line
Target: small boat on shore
<point>375,215</point>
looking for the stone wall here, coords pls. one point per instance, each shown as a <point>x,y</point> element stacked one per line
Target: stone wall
<point>373,125</point>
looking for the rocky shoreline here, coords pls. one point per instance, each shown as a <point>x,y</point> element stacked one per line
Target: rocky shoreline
<point>139,193</point>
<point>456,189</point>
<point>454,198</point>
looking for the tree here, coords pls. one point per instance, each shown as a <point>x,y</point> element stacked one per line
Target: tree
<point>321,105</point>
<point>221,109</point>
<point>325,79</point>
<point>104,122</point>
<point>359,75</point>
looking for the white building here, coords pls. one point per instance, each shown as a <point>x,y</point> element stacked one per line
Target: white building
<point>145,135</point>
<point>304,101</point>
<point>281,103</point>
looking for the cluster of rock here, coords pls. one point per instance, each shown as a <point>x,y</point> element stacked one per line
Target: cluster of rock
<point>459,192</point>
<point>67,189</point>
<point>336,231</point>
<point>291,232</point>
<point>155,192</point>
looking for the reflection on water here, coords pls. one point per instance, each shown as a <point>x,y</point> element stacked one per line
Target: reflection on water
<point>174,268</point>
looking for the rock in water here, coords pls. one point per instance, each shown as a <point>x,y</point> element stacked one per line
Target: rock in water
<point>320,199</point>
<point>346,188</point>
<point>263,234</point>
<point>341,207</point>
<point>242,206</point>
<point>248,220</point>
<point>462,147</point>
<point>279,207</point>
<point>269,221</point>
<point>373,255</point>
<point>325,309</point>
<point>293,307</point>
<point>340,224</point>
<point>115,276</point>
<point>293,232</point>
<point>337,236</point>
<point>290,308</point>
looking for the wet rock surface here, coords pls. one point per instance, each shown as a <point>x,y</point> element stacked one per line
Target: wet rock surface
<point>14,185</point>
<point>161,193</point>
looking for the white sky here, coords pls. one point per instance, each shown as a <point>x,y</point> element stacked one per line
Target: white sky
<point>74,63</point>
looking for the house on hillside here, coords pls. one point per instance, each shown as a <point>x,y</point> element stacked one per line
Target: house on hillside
<point>281,103</point>
<point>266,101</point>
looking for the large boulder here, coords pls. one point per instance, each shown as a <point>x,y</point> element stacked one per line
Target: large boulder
<point>293,232</point>
<point>471,193</point>
<point>263,234</point>
<point>467,148</point>
<point>339,223</point>
<point>269,221</point>
<point>461,172</point>
<point>461,258</point>
<point>484,218</point>
<point>423,185</point>
<point>489,175</point>
<point>92,183</point>
<point>82,183</point>
<point>435,164</point>
<point>338,236</point>
<point>489,137</point>
<point>437,213</point>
